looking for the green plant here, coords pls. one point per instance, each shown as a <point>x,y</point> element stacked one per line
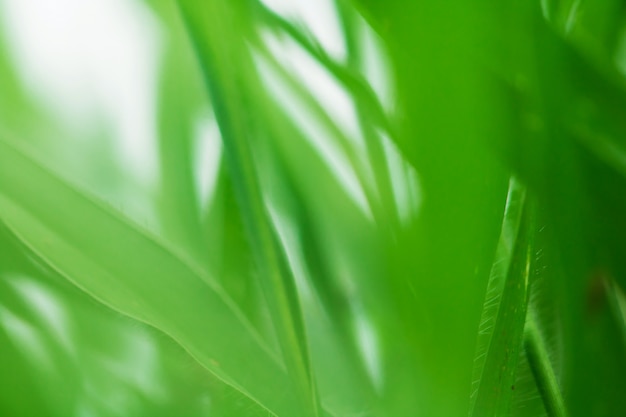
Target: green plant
<point>454,250</point>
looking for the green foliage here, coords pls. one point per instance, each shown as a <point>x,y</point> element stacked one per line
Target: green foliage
<point>454,247</point>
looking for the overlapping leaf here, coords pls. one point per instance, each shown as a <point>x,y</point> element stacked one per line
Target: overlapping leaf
<point>134,273</point>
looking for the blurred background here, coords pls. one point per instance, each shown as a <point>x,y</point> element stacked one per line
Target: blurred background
<point>275,207</point>
<point>109,95</point>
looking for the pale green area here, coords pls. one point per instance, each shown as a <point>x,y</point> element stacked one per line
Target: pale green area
<point>371,208</point>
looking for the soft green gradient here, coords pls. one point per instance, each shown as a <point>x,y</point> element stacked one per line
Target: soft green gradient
<point>423,217</point>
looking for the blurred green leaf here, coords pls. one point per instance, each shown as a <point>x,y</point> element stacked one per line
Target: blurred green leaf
<point>103,362</point>
<point>504,312</point>
<point>225,69</point>
<point>356,252</point>
<point>134,273</point>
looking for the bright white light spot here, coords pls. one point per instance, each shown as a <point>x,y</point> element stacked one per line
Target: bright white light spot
<point>88,62</point>
<point>46,305</point>
<point>319,17</point>
<point>137,364</point>
<point>208,156</point>
<point>27,338</point>
<point>404,181</point>
<point>315,78</point>
<point>364,331</point>
<point>316,133</point>
<point>375,65</point>
<point>288,235</point>
<point>368,345</point>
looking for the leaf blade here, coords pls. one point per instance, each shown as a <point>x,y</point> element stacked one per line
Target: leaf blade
<point>112,259</point>
<point>502,322</point>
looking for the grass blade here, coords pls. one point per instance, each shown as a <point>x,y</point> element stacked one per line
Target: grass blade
<point>132,272</point>
<point>179,104</point>
<point>64,354</point>
<point>542,370</point>
<point>504,313</point>
<point>227,70</point>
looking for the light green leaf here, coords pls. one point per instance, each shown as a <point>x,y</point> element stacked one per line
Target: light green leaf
<point>65,354</point>
<point>228,75</point>
<point>134,273</point>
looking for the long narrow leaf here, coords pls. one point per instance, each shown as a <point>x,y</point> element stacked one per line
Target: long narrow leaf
<point>504,313</point>
<point>227,73</point>
<point>131,271</point>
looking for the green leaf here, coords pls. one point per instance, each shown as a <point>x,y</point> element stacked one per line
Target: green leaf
<point>323,231</point>
<point>180,104</point>
<point>439,266</point>
<point>134,273</point>
<point>227,73</point>
<point>541,367</point>
<point>69,354</point>
<point>504,314</point>
<point>567,147</point>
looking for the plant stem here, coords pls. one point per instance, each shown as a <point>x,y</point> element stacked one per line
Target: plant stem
<point>542,370</point>
<point>226,68</point>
